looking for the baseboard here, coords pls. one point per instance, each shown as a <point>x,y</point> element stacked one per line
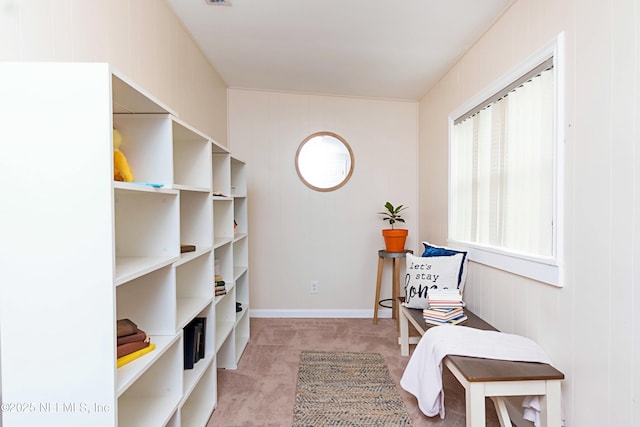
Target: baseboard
<point>319,313</point>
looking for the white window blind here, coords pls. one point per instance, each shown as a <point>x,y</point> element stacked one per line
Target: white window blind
<point>502,170</point>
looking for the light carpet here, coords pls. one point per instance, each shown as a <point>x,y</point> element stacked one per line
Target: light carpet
<point>346,389</point>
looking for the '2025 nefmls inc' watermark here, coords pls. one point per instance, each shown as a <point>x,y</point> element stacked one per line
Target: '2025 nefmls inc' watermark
<point>53,407</point>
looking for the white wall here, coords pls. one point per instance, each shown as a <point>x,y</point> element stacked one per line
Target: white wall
<point>590,327</point>
<point>142,39</point>
<point>297,234</point>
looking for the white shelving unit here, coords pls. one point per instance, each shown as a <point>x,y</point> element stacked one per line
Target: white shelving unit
<point>231,251</point>
<point>240,254</point>
<point>81,251</point>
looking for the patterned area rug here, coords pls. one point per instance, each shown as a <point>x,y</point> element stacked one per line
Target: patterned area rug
<point>346,389</point>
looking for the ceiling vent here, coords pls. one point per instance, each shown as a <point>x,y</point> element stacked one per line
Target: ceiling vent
<point>218,2</point>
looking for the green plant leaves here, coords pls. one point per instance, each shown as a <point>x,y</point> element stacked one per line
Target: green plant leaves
<point>393,213</point>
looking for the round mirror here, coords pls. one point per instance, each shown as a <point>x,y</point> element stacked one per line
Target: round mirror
<point>324,161</point>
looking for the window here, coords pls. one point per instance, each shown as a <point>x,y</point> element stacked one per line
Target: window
<point>504,173</point>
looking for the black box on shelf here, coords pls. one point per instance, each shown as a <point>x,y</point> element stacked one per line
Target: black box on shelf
<point>194,341</point>
<point>189,337</point>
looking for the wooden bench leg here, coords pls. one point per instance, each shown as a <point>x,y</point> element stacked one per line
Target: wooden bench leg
<point>501,410</point>
<point>550,411</point>
<point>474,397</point>
<point>395,292</point>
<point>404,333</point>
<point>378,282</point>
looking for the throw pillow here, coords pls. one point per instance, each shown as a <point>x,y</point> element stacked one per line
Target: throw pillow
<point>432,250</point>
<point>433,272</point>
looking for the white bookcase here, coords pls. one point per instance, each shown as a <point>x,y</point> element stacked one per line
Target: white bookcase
<point>81,251</point>
<point>231,254</point>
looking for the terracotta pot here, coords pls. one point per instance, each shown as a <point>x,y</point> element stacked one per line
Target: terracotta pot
<point>394,239</point>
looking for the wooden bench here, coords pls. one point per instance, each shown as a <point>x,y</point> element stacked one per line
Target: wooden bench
<point>496,379</point>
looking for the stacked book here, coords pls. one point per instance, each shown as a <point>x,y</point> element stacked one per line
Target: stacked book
<point>132,342</point>
<point>444,298</point>
<point>444,316</point>
<point>184,248</point>
<point>445,306</point>
<point>219,286</point>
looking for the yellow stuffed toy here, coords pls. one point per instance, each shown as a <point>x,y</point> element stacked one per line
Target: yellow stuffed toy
<point>121,169</point>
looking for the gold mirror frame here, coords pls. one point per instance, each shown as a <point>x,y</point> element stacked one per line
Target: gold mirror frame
<point>315,186</point>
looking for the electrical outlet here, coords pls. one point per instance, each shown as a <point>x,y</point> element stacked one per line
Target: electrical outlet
<point>313,289</point>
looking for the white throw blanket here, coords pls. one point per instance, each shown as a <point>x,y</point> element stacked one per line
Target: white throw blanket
<point>423,375</point>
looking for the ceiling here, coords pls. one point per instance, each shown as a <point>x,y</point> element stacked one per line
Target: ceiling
<point>371,48</point>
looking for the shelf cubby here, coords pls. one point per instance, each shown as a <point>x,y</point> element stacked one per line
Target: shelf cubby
<point>221,171</point>
<point>128,98</point>
<point>238,178</point>
<point>130,373</point>
<point>226,356</point>
<point>146,230</point>
<point>242,328</point>
<point>224,260</point>
<point>199,404</point>
<point>194,288</point>
<point>191,165</point>
<point>147,145</point>
<point>240,216</point>
<point>192,377</point>
<point>222,221</point>
<point>225,318</point>
<point>242,290</point>
<point>154,397</point>
<point>196,227</point>
<point>155,317</point>
<point>241,334</point>
<point>157,290</point>
<point>240,256</point>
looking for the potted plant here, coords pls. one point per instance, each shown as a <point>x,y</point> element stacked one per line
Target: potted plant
<point>394,239</point>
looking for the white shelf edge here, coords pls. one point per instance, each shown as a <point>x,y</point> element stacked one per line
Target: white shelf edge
<point>219,241</point>
<point>136,94</point>
<point>238,271</point>
<point>128,374</point>
<point>187,308</point>
<point>239,236</point>
<point>184,187</point>
<point>189,256</point>
<point>241,345</point>
<point>228,287</point>
<point>218,148</point>
<point>223,331</point>
<point>197,413</point>
<point>245,304</point>
<point>187,126</point>
<point>192,377</point>
<point>148,411</point>
<point>241,314</point>
<point>130,268</point>
<point>132,186</point>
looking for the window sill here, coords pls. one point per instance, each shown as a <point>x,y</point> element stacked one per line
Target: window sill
<point>546,271</point>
